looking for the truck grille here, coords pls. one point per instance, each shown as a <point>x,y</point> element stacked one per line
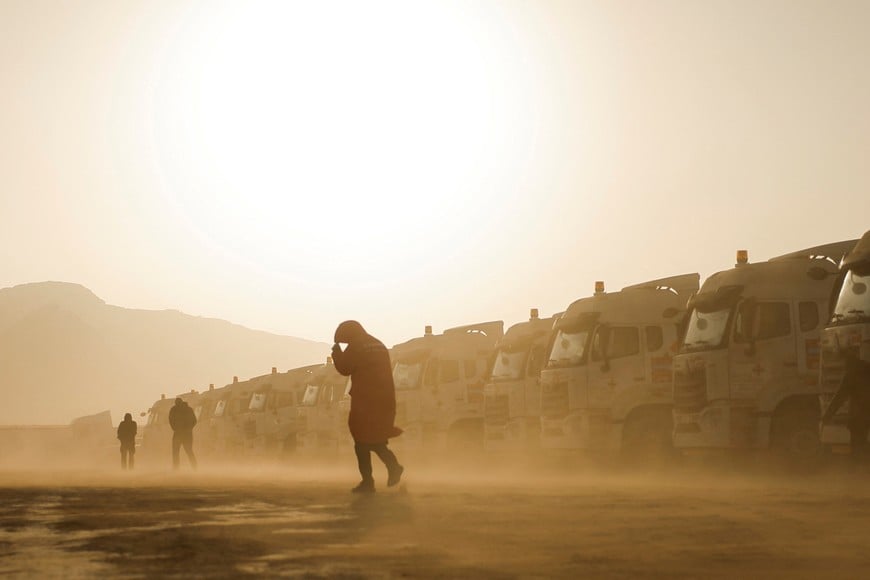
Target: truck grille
<point>250,429</point>
<point>690,387</point>
<point>495,410</point>
<point>554,400</point>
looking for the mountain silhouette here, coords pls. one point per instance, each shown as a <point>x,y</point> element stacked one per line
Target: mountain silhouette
<point>64,353</point>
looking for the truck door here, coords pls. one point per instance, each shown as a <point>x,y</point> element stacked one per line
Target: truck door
<point>808,346</point>
<point>616,368</point>
<point>659,347</point>
<point>763,353</point>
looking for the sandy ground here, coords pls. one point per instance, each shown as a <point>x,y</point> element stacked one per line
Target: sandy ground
<point>484,523</point>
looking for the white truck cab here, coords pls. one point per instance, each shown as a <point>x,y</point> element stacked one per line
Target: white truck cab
<point>512,392</point>
<point>746,376</point>
<point>320,419</point>
<point>439,385</point>
<point>606,385</point>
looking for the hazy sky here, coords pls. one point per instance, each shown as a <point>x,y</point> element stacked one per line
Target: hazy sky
<point>289,165</point>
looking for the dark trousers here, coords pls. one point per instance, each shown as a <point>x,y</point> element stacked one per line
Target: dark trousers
<point>364,458</point>
<point>858,442</point>
<point>128,450</point>
<point>183,439</point>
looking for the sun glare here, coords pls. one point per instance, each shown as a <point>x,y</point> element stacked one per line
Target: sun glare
<point>297,132</point>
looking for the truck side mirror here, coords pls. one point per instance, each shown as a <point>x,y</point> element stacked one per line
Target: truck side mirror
<point>603,335</point>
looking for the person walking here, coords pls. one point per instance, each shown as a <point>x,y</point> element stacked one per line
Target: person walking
<point>127,436</point>
<point>182,419</point>
<point>372,400</point>
<point>855,387</point>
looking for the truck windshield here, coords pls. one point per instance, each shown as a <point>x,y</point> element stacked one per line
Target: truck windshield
<point>569,348</point>
<point>258,402</point>
<point>706,329</point>
<point>508,365</point>
<point>309,399</point>
<point>853,303</point>
<point>406,375</point>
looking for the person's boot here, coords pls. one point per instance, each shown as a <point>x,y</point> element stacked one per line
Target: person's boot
<point>395,475</point>
<point>365,486</point>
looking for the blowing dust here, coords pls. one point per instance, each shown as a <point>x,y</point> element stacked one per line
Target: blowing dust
<point>452,516</point>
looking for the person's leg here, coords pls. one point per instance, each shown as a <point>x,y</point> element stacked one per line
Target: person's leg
<point>131,453</point>
<point>176,450</point>
<point>394,470</point>
<point>123,457</point>
<point>188,449</point>
<point>364,462</point>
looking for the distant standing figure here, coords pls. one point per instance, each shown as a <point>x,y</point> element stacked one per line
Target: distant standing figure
<point>372,400</point>
<point>855,388</point>
<point>127,436</point>
<point>182,419</point>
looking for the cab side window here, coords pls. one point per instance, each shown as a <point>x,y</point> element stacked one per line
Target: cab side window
<point>773,319</point>
<point>654,338</point>
<point>615,342</point>
<point>768,320</point>
<point>430,377</point>
<point>449,371</point>
<point>808,313</point>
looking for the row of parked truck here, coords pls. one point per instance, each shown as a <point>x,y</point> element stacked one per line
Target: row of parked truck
<point>747,361</point>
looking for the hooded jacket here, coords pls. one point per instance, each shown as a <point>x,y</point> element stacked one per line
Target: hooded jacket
<point>182,418</point>
<point>373,395</point>
<point>127,430</point>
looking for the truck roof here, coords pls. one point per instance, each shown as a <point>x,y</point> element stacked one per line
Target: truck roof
<point>471,340</point>
<point>525,333</point>
<point>655,301</point>
<point>804,274</point>
<point>832,252</point>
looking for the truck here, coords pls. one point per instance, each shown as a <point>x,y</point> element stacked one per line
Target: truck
<point>439,385</point>
<point>847,333</point>
<point>321,421</point>
<point>269,422</point>
<point>512,390</point>
<point>746,375</point>
<point>606,383</point>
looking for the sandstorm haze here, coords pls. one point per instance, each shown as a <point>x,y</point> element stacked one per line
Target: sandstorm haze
<point>196,190</point>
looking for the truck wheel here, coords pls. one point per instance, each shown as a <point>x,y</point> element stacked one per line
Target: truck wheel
<point>648,437</point>
<point>795,436</point>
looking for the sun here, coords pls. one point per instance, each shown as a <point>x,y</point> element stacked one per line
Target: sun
<point>293,132</point>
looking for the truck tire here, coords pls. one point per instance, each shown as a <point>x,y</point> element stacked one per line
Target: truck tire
<point>647,437</point>
<point>795,435</point>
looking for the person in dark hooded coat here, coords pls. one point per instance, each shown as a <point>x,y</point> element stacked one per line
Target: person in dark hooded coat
<point>372,400</point>
<point>182,419</point>
<point>127,436</point>
<point>854,388</point>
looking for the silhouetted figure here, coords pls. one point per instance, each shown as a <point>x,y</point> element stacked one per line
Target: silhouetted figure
<point>127,436</point>
<point>855,387</point>
<point>182,419</point>
<point>373,400</point>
